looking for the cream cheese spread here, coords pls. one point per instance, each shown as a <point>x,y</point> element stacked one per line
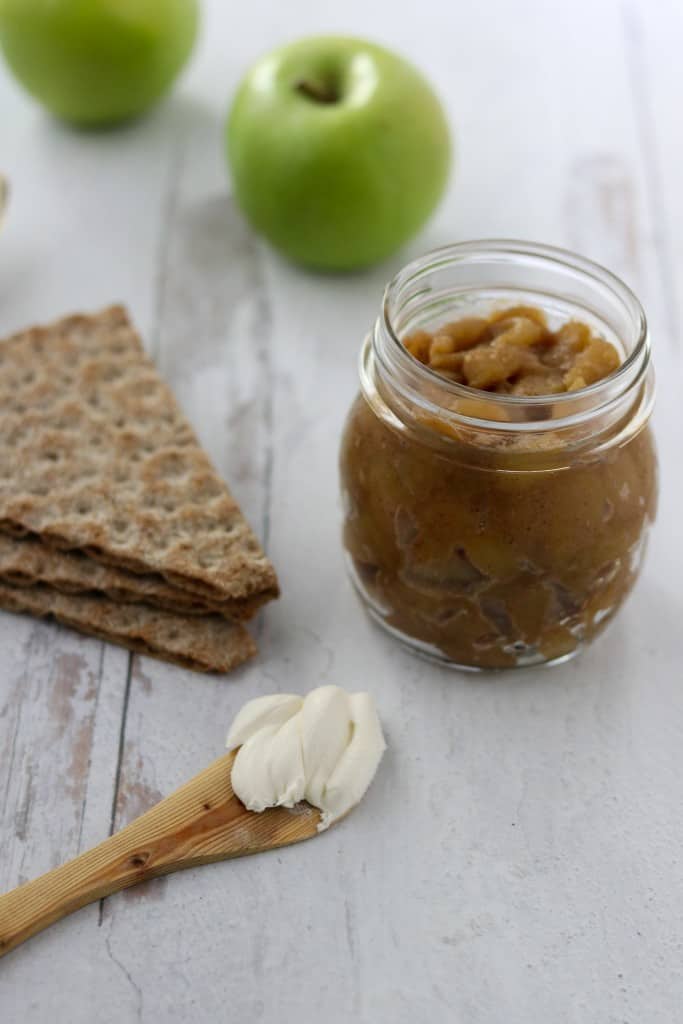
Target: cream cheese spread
<point>323,748</point>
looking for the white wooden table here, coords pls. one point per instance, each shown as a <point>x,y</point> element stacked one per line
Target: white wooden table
<point>519,858</point>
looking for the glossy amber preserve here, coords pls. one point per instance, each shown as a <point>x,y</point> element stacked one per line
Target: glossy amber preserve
<point>488,535</point>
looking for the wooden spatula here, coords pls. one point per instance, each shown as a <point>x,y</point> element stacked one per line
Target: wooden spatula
<point>201,822</point>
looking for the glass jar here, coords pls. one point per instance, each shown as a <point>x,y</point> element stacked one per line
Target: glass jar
<point>489,530</point>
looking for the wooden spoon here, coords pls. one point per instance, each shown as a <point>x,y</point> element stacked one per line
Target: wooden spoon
<point>201,822</point>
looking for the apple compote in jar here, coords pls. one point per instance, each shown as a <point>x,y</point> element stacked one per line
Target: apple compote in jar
<point>498,471</point>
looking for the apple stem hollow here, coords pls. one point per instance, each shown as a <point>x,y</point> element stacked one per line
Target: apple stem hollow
<point>324,90</point>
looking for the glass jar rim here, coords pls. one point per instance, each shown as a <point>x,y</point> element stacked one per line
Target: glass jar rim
<point>630,371</point>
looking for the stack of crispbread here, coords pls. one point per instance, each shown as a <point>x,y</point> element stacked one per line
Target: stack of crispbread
<point>112,518</point>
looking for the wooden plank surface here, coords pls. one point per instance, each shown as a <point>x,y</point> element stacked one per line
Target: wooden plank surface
<point>518,858</point>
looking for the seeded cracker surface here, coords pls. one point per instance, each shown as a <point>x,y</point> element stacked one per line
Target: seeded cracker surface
<point>26,561</point>
<point>96,457</point>
<point>206,644</point>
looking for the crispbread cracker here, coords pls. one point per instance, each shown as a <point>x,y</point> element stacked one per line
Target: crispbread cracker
<point>95,455</point>
<point>25,562</point>
<point>206,644</point>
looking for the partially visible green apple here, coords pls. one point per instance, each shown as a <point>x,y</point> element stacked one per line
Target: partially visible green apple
<point>97,61</point>
<point>339,151</point>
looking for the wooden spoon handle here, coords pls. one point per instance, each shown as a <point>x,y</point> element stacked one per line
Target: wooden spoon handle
<point>199,823</point>
<point>89,877</point>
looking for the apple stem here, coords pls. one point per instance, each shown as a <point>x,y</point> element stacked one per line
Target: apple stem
<point>320,91</point>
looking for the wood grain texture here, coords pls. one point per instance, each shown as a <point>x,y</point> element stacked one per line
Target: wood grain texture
<point>59,692</point>
<point>199,824</point>
<point>518,858</point>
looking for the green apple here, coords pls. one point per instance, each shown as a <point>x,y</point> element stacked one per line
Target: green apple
<point>96,62</point>
<point>339,151</point>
